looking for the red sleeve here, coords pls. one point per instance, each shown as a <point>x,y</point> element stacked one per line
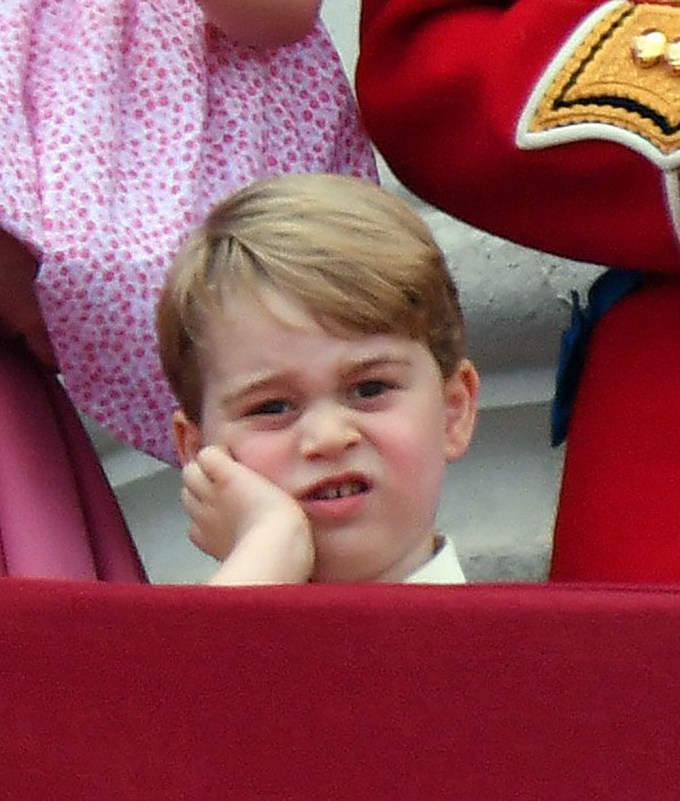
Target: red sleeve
<point>442,85</point>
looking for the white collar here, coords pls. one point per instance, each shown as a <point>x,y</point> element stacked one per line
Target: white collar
<point>442,568</point>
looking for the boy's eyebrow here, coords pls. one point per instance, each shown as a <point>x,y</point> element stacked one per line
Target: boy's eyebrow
<point>251,385</point>
<point>354,366</point>
<point>371,362</point>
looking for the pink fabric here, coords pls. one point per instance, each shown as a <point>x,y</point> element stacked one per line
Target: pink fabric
<point>123,122</point>
<point>58,515</point>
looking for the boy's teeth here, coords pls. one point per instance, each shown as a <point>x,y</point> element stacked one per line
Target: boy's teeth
<point>342,491</point>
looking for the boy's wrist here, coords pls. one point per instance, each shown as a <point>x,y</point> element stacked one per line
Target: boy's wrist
<point>273,552</point>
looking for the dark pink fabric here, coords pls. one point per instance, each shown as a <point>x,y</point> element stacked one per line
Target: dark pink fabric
<point>58,515</point>
<point>115,692</point>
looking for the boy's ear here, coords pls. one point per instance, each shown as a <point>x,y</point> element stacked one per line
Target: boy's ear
<point>187,435</point>
<point>461,396</point>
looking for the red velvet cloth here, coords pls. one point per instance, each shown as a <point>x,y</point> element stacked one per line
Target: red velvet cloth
<point>59,517</point>
<point>115,692</point>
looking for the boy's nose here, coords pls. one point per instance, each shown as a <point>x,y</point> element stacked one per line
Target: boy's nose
<point>326,432</point>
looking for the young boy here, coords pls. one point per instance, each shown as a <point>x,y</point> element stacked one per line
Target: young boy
<point>313,337</point>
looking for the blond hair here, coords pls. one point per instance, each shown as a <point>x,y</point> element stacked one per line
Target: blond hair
<point>357,258</point>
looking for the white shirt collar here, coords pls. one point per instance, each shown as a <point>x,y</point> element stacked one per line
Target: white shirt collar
<point>442,568</point>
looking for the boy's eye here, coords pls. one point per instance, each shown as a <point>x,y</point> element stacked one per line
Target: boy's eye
<point>372,389</point>
<point>272,407</point>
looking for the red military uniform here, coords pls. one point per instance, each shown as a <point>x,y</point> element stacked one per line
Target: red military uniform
<point>556,124</point>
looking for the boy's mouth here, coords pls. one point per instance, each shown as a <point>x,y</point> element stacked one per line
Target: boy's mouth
<point>335,488</point>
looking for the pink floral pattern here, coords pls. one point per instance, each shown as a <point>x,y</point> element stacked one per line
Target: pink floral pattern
<point>123,122</point>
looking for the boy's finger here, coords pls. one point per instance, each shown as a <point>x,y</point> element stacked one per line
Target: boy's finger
<point>216,464</point>
<point>195,479</point>
<point>196,537</point>
<point>191,504</point>
<point>197,508</point>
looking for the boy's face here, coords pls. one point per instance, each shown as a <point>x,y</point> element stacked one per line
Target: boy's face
<point>358,431</point>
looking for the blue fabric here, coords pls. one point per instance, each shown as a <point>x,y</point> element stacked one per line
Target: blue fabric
<point>607,290</point>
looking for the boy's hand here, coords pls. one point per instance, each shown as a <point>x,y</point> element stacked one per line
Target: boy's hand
<point>257,530</point>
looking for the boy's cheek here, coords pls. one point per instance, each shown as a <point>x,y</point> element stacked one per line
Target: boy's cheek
<point>418,452</point>
<point>239,444</point>
<point>258,453</point>
<point>212,426</point>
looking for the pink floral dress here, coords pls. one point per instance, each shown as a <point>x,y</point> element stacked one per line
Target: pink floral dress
<point>123,122</point>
